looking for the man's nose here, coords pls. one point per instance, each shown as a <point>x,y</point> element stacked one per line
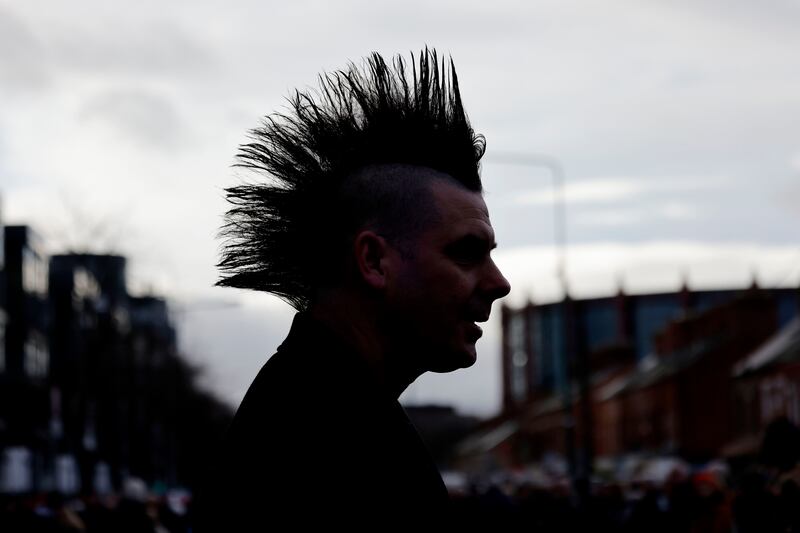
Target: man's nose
<point>497,285</point>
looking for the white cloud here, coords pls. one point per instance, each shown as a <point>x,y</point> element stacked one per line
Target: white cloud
<point>585,192</point>
<point>142,116</point>
<point>597,269</point>
<point>615,190</point>
<point>638,129</point>
<point>23,63</point>
<point>614,217</point>
<point>794,162</point>
<point>624,216</point>
<point>677,211</point>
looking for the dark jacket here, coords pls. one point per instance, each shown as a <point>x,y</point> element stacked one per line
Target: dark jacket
<point>315,440</point>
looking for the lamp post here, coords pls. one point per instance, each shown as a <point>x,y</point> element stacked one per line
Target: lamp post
<point>579,473</point>
<point>556,170</point>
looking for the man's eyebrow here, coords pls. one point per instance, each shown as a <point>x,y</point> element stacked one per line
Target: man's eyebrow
<point>472,239</point>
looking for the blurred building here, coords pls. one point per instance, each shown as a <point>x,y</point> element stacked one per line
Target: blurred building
<point>24,391</point>
<point>152,413</point>
<point>91,323</point>
<point>766,388</point>
<point>92,387</point>
<point>3,303</point>
<point>118,373</point>
<point>678,400</point>
<point>605,377</point>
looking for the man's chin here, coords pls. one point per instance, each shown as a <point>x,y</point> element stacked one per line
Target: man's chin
<point>462,359</point>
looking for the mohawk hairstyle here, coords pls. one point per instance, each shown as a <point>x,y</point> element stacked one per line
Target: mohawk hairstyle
<point>283,235</point>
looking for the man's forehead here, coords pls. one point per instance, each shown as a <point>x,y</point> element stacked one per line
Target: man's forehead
<point>452,196</point>
<point>461,212</point>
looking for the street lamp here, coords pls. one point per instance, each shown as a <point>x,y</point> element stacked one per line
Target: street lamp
<point>556,170</point>
<point>579,478</point>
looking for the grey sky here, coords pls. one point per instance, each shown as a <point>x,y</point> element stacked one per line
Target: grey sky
<point>677,123</point>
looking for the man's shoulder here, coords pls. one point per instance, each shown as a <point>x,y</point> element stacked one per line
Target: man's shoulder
<point>312,381</point>
<point>302,371</point>
<point>280,376</point>
<point>286,384</point>
<point>311,426</point>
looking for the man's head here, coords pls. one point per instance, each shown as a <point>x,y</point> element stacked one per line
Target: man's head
<point>380,159</point>
<point>439,279</point>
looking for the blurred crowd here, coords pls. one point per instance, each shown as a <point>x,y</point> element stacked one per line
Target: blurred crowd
<point>759,499</point>
<point>135,510</point>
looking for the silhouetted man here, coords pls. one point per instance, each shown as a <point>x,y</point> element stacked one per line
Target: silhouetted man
<point>371,223</point>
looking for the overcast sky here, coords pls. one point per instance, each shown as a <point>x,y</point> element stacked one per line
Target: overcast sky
<point>677,125</point>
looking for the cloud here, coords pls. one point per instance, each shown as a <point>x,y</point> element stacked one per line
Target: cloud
<point>161,48</point>
<point>23,63</point>
<point>612,190</point>
<point>614,217</point>
<point>677,211</point>
<point>598,268</point>
<point>145,117</point>
<point>126,85</point>
<point>585,192</point>
<point>621,216</point>
<point>788,198</point>
<point>794,162</point>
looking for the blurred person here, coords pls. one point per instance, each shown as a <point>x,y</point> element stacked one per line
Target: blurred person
<point>679,498</point>
<point>780,447</point>
<point>755,508</point>
<point>789,500</point>
<point>370,222</point>
<point>66,519</point>
<point>98,513</point>
<point>644,512</point>
<point>131,514</point>
<point>712,508</point>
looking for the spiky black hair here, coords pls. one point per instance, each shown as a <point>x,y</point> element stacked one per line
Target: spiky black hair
<point>283,235</point>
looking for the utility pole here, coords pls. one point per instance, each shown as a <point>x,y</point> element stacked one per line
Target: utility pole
<point>574,357</point>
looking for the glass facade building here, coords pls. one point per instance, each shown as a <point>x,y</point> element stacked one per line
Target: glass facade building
<point>538,358</point>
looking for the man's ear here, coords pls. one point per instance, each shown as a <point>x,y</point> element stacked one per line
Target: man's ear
<point>371,252</point>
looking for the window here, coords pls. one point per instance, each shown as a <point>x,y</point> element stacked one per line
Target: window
<point>519,357</point>
<point>2,341</point>
<point>652,314</point>
<point>600,323</point>
<point>548,341</point>
<point>787,307</point>
<point>34,272</point>
<point>37,356</point>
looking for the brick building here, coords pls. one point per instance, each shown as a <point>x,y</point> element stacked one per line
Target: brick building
<point>651,373</point>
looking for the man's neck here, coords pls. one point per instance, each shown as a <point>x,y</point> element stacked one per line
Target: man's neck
<point>358,324</point>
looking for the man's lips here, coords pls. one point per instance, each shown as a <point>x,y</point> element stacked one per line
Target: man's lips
<point>474,332</point>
